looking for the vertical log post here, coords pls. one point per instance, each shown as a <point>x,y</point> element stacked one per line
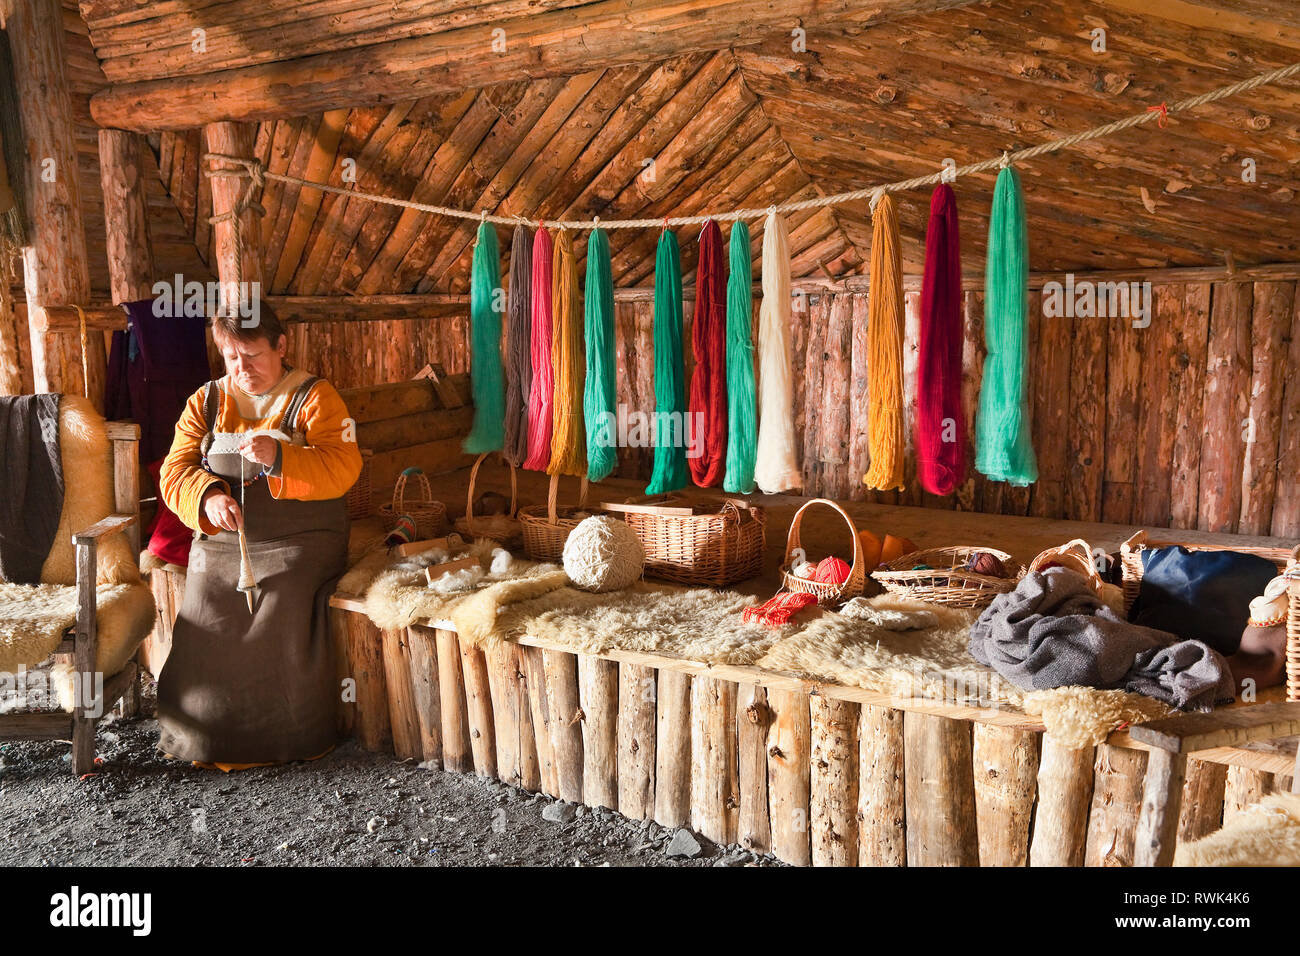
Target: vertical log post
<point>451,698</point>
<point>598,698</point>
<point>478,709</point>
<point>422,648</point>
<point>882,810</point>
<point>940,791</point>
<point>833,796</point>
<point>1202,810</point>
<point>1244,787</point>
<point>753,719</point>
<point>539,706</point>
<point>56,270</point>
<point>126,215</point>
<point>636,741</point>
<point>234,139</point>
<point>1064,795</point>
<point>503,680</point>
<point>789,758</point>
<point>1116,803</point>
<point>373,725</point>
<point>1162,796</point>
<point>1006,778</point>
<point>714,803</point>
<point>401,696</point>
<point>565,721</point>
<point>673,749</point>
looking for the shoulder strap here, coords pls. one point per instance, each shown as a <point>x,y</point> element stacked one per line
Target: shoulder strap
<point>299,398</point>
<point>211,394</point>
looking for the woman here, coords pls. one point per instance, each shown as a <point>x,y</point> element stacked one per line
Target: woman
<point>268,449</point>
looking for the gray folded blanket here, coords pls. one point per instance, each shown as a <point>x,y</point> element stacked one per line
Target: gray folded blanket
<point>1053,631</point>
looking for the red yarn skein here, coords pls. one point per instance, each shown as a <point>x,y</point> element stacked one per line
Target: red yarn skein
<point>831,571</point>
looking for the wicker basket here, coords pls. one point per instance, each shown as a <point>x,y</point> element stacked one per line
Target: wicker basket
<point>946,580</point>
<point>1288,562</point>
<point>358,499</point>
<point>686,545</point>
<point>825,593</point>
<point>430,515</point>
<point>504,528</point>
<point>546,527</point>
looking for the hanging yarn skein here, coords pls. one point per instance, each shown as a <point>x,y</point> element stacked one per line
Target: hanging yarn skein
<point>540,409</point>
<point>885,352</point>
<point>670,472</point>
<point>775,467</point>
<point>741,412</point>
<point>519,346</point>
<point>1004,447</point>
<point>708,404</point>
<point>598,394</point>
<point>486,386</point>
<point>568,359</point>
<point>940,430</point>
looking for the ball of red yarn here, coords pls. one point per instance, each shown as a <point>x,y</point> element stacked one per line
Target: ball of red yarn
<point>831,571</point>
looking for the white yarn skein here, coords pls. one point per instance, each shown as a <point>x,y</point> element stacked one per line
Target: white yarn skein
<point>603,554</point>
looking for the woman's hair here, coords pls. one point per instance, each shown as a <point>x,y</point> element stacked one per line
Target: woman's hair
<point>267,326</point>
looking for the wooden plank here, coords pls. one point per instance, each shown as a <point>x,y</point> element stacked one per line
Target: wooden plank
<point>1086,423</point>
<point>1006,781</point>
<point>940,791</point>
<point>1184,404</point>
<point>1227,403</point>
<point>637,696</point>
<point>833,798</point>
<point>715,805</point>
<point>1286,504</point>
<point>1273,304</point>
<point>598,698</point>
<point>789,769</point>
<point>1188,733</point>
<point>673,749</point>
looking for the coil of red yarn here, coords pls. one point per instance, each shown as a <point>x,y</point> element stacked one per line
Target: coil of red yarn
<point>831,571</point>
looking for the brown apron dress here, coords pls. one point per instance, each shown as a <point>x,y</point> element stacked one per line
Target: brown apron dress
<point>263,687</point>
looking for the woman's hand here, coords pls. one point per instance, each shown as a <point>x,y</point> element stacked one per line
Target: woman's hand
<point>260,449</point>
<point>223,510</point>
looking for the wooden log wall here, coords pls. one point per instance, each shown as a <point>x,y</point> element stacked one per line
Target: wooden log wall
<point>811,778</point>
<point>1192,422</point>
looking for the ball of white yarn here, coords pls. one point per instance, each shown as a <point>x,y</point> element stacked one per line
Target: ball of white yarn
<point>603,554</point>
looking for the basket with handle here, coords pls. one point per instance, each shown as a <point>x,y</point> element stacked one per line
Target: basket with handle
<point>826,593</point>
<point>430,516</point>
<point>501,528</point>
<point>944,579</point>
<point>546,527</point>
<point>1077,555</point>
<point>702,545</point>
<point>1287,561</point>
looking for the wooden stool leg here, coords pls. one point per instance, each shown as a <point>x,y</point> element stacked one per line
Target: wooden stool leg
<point>1162,796</point>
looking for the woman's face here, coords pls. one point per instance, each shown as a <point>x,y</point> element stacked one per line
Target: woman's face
<point>254,366</point>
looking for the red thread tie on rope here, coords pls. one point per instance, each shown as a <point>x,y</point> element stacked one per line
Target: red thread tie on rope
<point>1163,110</point>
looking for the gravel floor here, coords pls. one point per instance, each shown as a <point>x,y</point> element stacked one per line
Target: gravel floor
<point>352,808</point>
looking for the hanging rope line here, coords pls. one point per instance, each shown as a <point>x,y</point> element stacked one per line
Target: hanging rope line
<point>258,173</point>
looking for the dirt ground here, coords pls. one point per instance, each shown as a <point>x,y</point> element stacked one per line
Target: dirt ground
<point>350,808</point>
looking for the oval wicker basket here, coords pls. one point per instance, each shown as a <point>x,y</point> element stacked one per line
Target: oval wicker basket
<point>946,580</point>
<point>546,527</point>
<point>712,549</point>
<point>502,528</point>
<point>824,592</point>
<point>430,516</point>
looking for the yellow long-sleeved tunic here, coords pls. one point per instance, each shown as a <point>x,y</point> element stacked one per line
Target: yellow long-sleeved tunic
<point>324,467</point>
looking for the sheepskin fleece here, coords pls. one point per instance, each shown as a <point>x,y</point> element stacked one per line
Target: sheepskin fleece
<point>1083,716</point>
<point>399,596</point>
<point>933,662</point>
<point>33,618</point>
<point>87,457</point>
<point>1263,834</point>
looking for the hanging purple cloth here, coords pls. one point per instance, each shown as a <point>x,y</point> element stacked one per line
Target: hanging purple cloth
<point>153,369</point>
